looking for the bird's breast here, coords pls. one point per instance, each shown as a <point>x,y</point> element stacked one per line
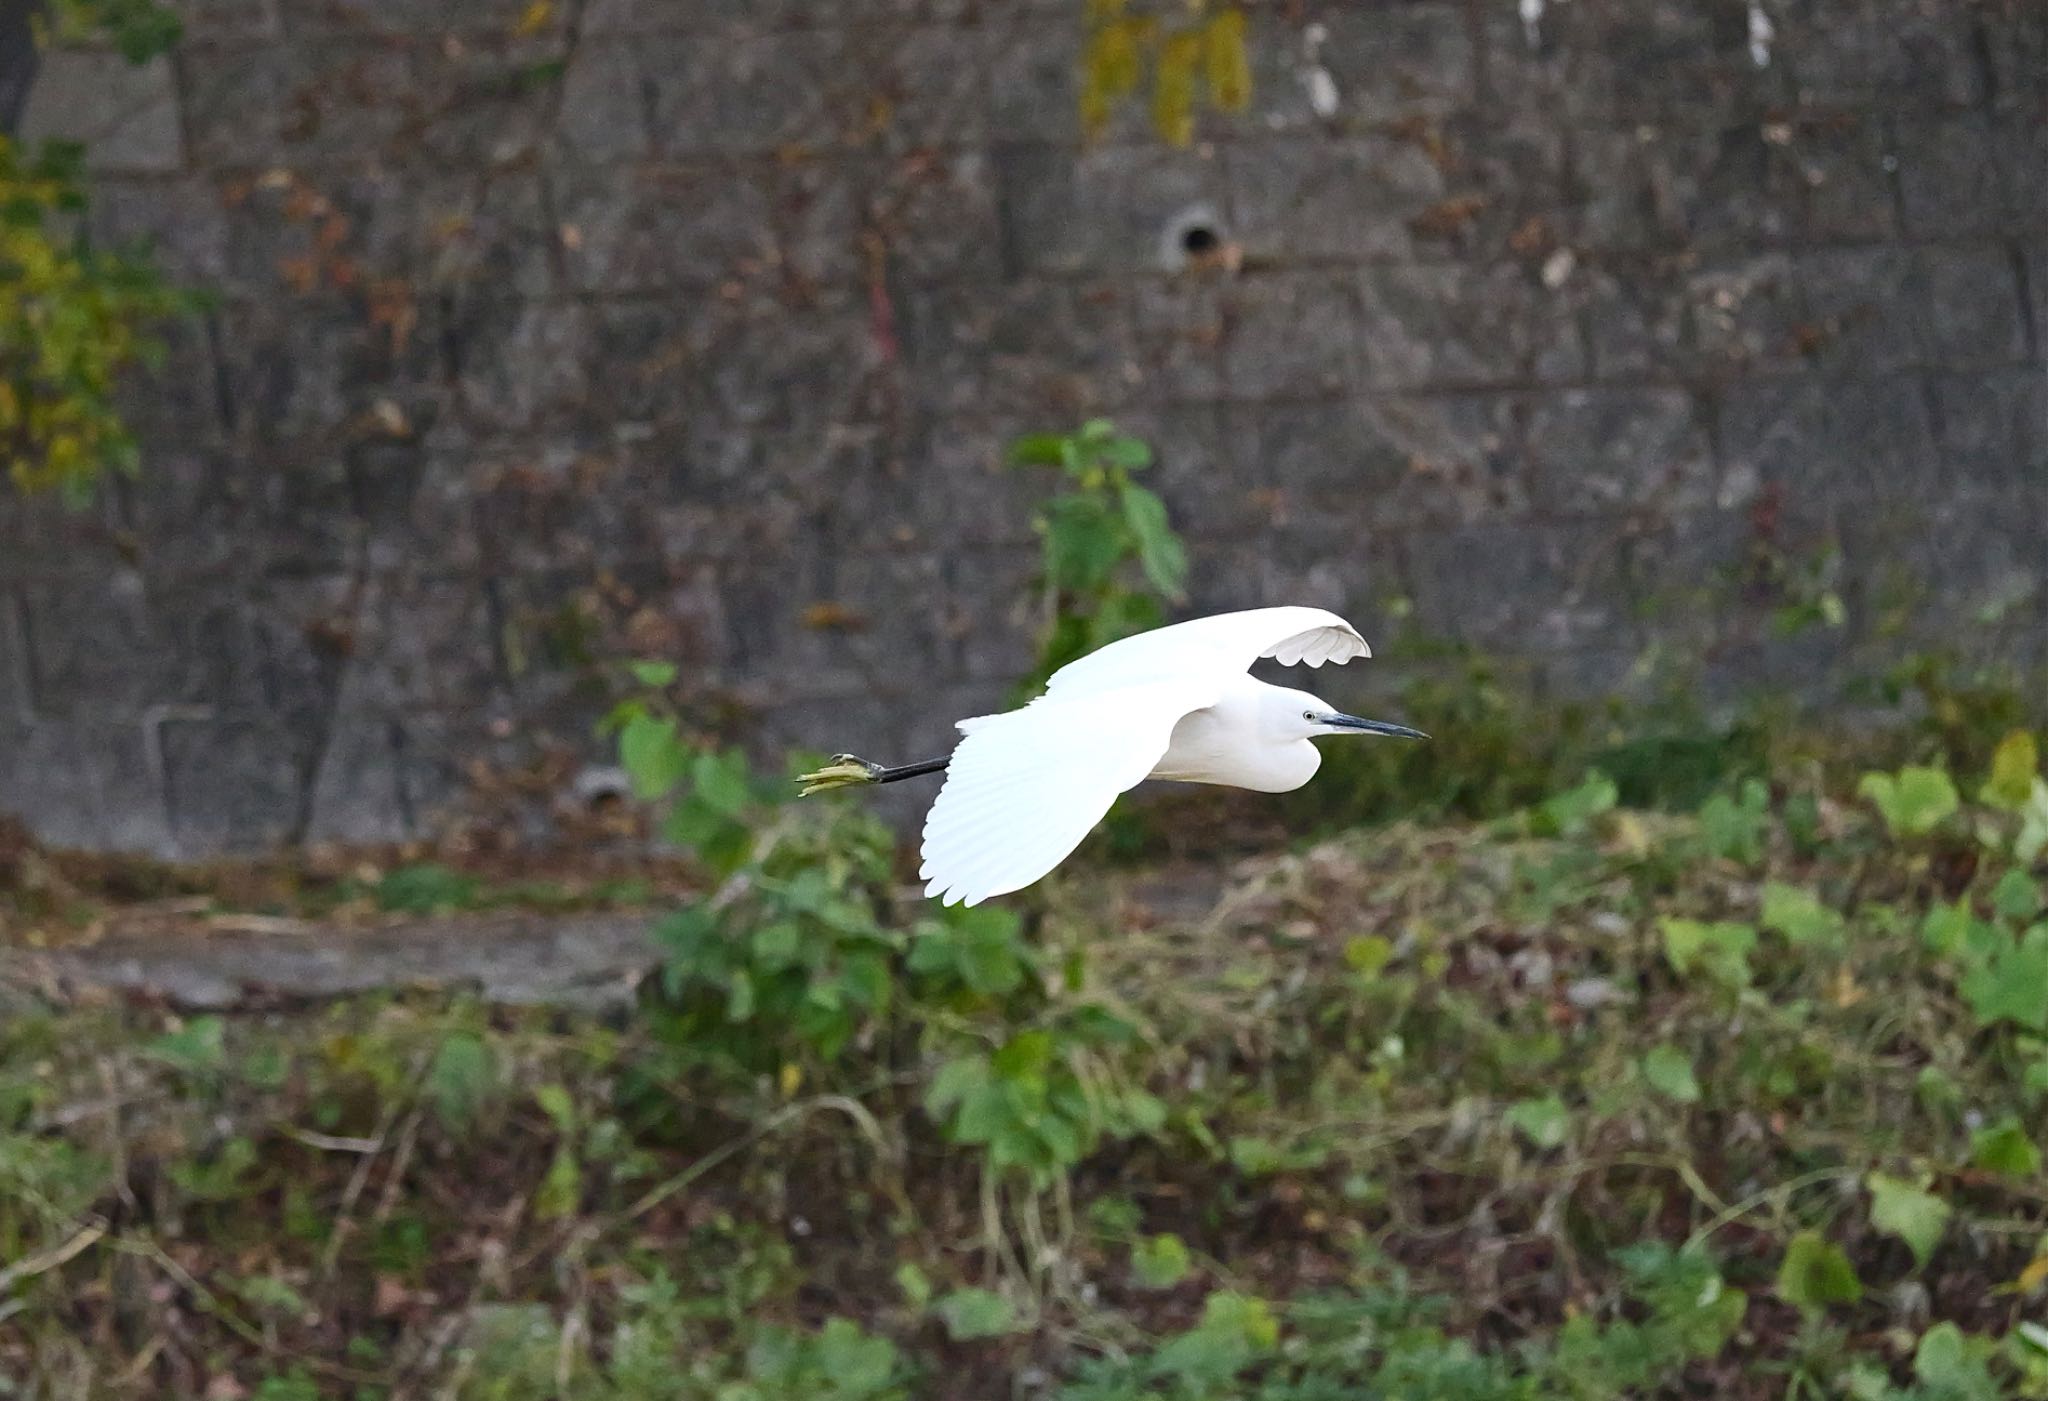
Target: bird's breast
<point>1207,749</point>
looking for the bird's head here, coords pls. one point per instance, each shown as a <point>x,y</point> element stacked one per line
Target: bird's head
<point>1303,716</point>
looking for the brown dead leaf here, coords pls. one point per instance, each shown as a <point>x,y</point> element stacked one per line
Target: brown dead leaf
<point>835,616</point>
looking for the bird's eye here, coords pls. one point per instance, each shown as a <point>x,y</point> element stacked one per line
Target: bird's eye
<point>1308,715</point>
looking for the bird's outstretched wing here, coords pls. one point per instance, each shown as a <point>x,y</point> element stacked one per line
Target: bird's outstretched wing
<point>1223,645</point>
<point>1024,787</point>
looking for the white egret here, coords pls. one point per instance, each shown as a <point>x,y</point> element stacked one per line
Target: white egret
<point>1024,787</point>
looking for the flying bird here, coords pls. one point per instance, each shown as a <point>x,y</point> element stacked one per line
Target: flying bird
<point>1024,787</point>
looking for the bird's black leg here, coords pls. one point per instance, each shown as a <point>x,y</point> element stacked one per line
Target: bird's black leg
<point>846,770</point>
<point>917,770</point>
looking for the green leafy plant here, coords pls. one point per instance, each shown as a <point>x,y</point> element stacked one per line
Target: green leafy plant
<point>139,29</point>
<point>1815,1273</point>
<point>1914,801</point>
<point>72,319</point>
<point>1111,558</point>
<point>1909,1211</point>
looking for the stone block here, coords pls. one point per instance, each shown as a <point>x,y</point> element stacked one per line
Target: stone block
<point>1457,326</point>
<point>232,785</point>
<point>482,18</point>
<point>493,100</point>
<point>1180,328</point>
<point>126,116</point>
<point>1410,459</point>
<point>602,114</point>
<point>1031,91</point>
<point>1846,164</point>
<point>209,21</point>
<point>950,485</point>
<point>293,371</point>
<point>1863,308</point>
<point>1974,308</point>
<point>1668,59</point>
<point>328,231</point>
<point>1049,350</point>
<point>17,696</point>
<point>1751,312</point>
<point>2019,145</point>
<point>490,236</point>
<point>174,404</point>
<point>1309,198</point>
<point>912,85</point>
<point>179,221</point>
<point>1949,182</point>
<point>88,784</point>
<point>1644,450</point>
<point>1889,427</point>
<point>1106,209</point>
<point>1638,317</point>
<point>352,98</point>
<point>521,364</point>
<point>748,94</point>
<point>235,103</point>
<point>1768,431</point>
<point>1993,425</point>
<point>1507,190</point>
<point>1292,334</point>
<point>1827,445</point>
<point>939,219</point>
<point>2016,53</point>
<point>358,794</point>
<point>1384,64</point>
<point>1523,588</point>
<point>1847,53</point>
<point>94,651</point>
<point>632,228</point>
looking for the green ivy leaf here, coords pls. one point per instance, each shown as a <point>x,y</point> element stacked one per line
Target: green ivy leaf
<point>2016,896</point>
<point>461,1078</point>
<point>2015,767</point>
<point>1908,1211</point>
<point>2004,1148</point>
<point>1083,543</point>
<point>1734,827</point>
<point>1816,1273</point>
<point>1721,949</point>
<point>2009,981</point>
<point>1572,812</point>
<point>976,1313</point>
<point>1544,1122</point>
<point>1159,1262</point>
<point>653,755</point>
<point>1160,552</point>
<point>1914,801</point>
<point>1799,916</point>
<point>653,674</point>
<point>1670,1074</point>
<point>1954,1366</point>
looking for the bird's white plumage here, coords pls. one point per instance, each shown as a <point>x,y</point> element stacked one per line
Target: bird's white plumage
<point>1225,645</point>
<point>1024,787</point>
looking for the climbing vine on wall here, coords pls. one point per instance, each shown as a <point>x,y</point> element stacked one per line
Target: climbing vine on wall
<point>73,317</point>
<point>1188,51</point>
<point>139,29</point>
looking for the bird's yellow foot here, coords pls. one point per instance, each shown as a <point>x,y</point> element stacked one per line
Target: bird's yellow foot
<point>845,771</point>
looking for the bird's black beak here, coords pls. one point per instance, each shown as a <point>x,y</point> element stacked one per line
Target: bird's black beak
<point>1373,727</point>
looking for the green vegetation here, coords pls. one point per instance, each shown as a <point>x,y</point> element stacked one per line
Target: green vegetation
<point>1653,1060</point>
<point>1112,560</point>
<point>1582,1100</point>
<point>73,317</point>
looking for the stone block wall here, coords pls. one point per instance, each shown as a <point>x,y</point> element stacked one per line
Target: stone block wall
<point>548,333</point>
